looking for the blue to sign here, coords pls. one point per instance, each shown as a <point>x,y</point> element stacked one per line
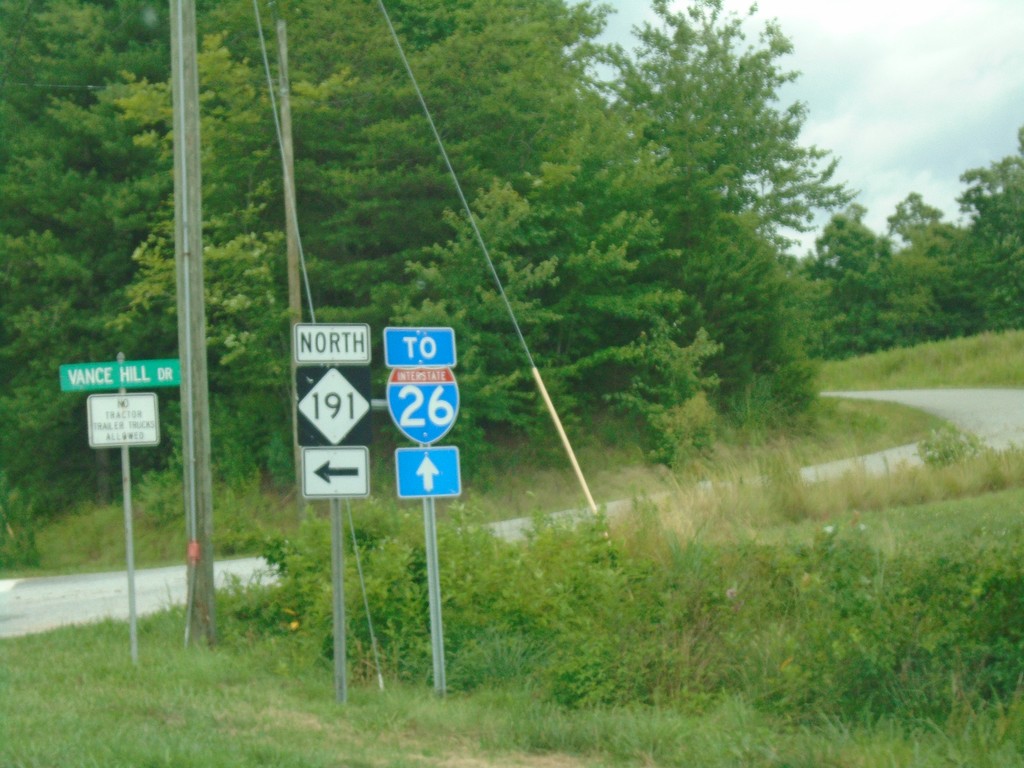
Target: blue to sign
<point>419,347</point>
<point>427,472</point>
<point>423,402</point>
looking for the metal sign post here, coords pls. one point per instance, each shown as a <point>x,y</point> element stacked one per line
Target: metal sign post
<point>423,399</point>
<point>340,624</point>
<point>126,485</point>
<point>333,430</point>
<point>434,596</point>
<point>123,420</point>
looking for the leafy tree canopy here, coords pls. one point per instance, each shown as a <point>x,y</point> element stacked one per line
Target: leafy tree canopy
<point>635,224</point>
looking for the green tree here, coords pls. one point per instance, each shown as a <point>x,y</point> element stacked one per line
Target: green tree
<point>75,190</point>
<point>705,102</point>
<point>994,204</point>
<point>247,321</point>
<point>636,226</point>
<point>853,265</point>
<point>929,287</point>
<point>596,326</point>
<point>501,80</point>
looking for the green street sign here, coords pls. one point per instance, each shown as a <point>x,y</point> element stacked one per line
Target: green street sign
<point>131,374</point>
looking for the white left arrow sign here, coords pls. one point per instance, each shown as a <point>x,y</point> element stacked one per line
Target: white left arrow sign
<point>334,472</point>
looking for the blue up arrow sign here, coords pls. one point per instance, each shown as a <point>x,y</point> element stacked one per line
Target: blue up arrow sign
<point>428,472</point>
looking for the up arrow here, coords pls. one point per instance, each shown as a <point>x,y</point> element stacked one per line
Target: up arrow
<point>425,472</point>
<point>428,472</point>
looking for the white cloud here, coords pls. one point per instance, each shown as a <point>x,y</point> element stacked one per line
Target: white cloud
<point>908,94</point>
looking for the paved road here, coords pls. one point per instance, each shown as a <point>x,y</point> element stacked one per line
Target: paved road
<point>996,416</point>
<point>36,605</point>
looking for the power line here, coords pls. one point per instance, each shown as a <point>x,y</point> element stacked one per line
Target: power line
<point>535,372</point>
<point>57,86</point>
<point>280,144</point>
<point>293,211</point>
<point>455,181</point>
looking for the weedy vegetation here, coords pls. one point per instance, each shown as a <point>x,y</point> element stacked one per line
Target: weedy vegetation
<point>750,619</point>
<point>983,360</point>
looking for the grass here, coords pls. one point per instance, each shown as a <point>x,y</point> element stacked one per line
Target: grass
<point>254,705</point>
<point>955,513</point>
<point>987,360</point>
<point>92,538</point>
<point>532,482</point>
<point>259,702</point>
<point>528,479</point>
<point>770,501</point>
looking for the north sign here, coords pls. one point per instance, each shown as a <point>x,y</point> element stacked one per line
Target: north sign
<point>331,344</point>
<point>423,402</point>
<point>333,405</point>
<point>131,374</point>
<point>419,347</point>
<point>122,419</point>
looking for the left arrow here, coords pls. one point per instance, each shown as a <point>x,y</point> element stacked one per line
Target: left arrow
<point>332,472</point>
<point>325,472</point>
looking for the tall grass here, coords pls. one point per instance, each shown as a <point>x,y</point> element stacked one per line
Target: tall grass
<point>532,480</point>
<point>92,537</point>
<point>987,360</point>
<point>756,500</point>
<point>249,706</point>
<point>764,683</point>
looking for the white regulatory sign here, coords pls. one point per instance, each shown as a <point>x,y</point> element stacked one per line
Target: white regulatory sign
<point>335,472</point>
<point>123,420</point>
<point>332,343</point>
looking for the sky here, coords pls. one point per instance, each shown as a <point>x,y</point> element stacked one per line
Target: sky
<point>908,94</point>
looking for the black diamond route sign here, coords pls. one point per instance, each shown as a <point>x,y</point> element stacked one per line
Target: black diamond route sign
<point>333,405</point>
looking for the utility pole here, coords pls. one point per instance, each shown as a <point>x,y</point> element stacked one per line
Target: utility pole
<point>292,230</point>
<point>188,253</point>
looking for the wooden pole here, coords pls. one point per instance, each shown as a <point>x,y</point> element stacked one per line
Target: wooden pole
<point>292,230</point>
<point>565,439</point>
<point>188,251</point>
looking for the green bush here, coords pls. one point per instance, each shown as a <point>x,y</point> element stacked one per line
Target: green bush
<point>580,618</point>
<point>682,431</point>
<point>243,513</point>
<point>948,445</point>
<point>17,530</point>
<point>158,496</point>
